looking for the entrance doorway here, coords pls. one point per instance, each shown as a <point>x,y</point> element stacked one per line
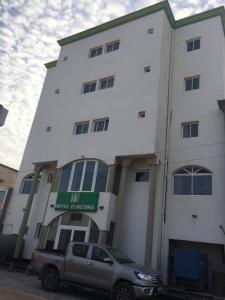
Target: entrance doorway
<point>68,234</point>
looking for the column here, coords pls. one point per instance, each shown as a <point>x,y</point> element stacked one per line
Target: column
<point>120,202</point>
<point>20,236</point>
<point>151,215</point>
<point>110,180</point>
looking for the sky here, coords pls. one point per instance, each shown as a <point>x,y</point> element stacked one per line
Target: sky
<point>29,30</point>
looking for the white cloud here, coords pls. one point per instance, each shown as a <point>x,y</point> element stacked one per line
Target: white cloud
<point>29,30</point>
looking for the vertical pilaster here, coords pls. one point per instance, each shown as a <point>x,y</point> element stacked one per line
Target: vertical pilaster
<point>111,175</point>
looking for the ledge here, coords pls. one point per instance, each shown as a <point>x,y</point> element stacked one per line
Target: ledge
<point>51,64</point>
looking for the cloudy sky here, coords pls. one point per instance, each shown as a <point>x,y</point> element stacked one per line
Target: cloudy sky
<point>28,33</point>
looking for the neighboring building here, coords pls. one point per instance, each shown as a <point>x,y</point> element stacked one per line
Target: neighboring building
<point>7,183</point>
<point>128,140</point>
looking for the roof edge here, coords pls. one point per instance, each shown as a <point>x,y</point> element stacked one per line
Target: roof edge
<point>51,64</point>
<point>164,5</point>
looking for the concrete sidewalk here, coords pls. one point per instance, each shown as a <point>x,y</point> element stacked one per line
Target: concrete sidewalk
<point>12,294</point>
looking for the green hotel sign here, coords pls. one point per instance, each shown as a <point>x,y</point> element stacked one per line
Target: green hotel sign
<point>75,201</point>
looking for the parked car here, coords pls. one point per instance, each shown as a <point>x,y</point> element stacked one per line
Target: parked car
<point>96,266</point>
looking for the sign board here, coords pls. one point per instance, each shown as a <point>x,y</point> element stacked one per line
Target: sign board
<point>77,201</point>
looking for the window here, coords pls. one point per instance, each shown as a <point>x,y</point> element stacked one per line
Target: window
<point>141,114</point>
<point>48,128</point>
<point>190,129</point>
<point>142,176</point>
<point>113,46</point>
<point>147,69</point>
<point>193,44</point>
<point>95,51</point>
<point>89,87</point>
<point>192,180</point>
<point>192,83</point>
<point>106,83</point>
<point>27,184</point>
<point>81,127</point>
<point>80,250</point>
<point>100,125</point>
<point>85,175</point>
<point>99,254</point>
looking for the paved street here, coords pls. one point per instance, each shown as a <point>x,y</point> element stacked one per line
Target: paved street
<point>18,286</point>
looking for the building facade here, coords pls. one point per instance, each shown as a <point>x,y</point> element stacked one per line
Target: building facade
<point>7,183</point>
<point>127,144</point>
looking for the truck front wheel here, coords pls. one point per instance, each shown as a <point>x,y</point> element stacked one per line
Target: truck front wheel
<point>50,279</point>
<point>124,291</point>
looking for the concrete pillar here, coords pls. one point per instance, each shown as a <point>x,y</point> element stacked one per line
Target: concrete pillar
<point>42,237</point>
<point>22,230</point>
<point>120,202</point>
<point>151,215</point>
<point>110,180</point>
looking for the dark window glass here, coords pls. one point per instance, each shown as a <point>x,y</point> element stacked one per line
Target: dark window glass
<point>188,84</point>
<point>99,254</point>
<point>110,234</point>
<point>99,51</point>
<point>77,176</point>
<point>86,88</point>
<point>196,44</point>
<point>182,185</point>
<point>103,84</point>
<point>85,127</point>
<point>106,124</point>
<point>93,87</point>
<point>194,130</point>
<point>142,176</point>
<point>202,185</point>
<point>189,46</point>
<point>116,46</point>
<point>116,182</point>
<point>99,125</point>
<point>79,129</point>
<point>64,179</point>
<point>88,177</point>
<point>93,53</point>
<point>27,186</point>
<point>109,48</point>
<point>195,83</point>
<point>110,82</point>
<point>186,130</point>
<point>101,178</point>
<point>80,250</point>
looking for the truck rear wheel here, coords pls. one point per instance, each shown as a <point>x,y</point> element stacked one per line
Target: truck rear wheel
<point>50,279</point>
<point>123,291</point>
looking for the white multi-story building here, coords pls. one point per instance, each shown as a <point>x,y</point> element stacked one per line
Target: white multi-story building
<point>128,140</point>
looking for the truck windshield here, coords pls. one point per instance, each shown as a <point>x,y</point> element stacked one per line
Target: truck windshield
<point>119,256</point>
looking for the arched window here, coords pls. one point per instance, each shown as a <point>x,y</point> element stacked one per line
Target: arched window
<point>192,180</point>
<point>84,175</point>
<point>27,184</point>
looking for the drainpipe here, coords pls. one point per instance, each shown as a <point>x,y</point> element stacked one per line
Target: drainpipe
<point>166,146</point>
<point>19,241</point>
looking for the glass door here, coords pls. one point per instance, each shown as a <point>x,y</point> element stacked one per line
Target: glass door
<point>64,239</point>
<point>79,235</point>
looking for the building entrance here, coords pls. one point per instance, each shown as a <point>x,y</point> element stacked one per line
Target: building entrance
<point>68,234</point>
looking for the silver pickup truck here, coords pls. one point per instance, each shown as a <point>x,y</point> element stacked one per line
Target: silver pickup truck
<point>96,266</point>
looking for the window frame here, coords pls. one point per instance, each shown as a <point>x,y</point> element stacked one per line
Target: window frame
<point>107,80</point>
<point>89,83</point>
<point>113,44</point>
<point>193,43</point>
<point>142,171</point>
<point>192,83</point>
<point>97,162</point>
<point>106,120</point>
<point>82,123</point>
<point>26,178</point>
<point>190,130</point>
<point>95,49</point>
<point>193,174</point>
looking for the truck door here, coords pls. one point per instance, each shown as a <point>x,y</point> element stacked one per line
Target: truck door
<point>76,263</point>
<point>98,273</point>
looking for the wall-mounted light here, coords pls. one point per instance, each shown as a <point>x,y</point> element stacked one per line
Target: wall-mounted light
<point>51,205</point>
<point>101,207</point>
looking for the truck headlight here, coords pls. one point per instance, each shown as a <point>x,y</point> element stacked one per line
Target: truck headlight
<point>143,276</point>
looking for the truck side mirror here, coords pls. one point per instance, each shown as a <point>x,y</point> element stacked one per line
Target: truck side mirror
<point>108,260</point>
